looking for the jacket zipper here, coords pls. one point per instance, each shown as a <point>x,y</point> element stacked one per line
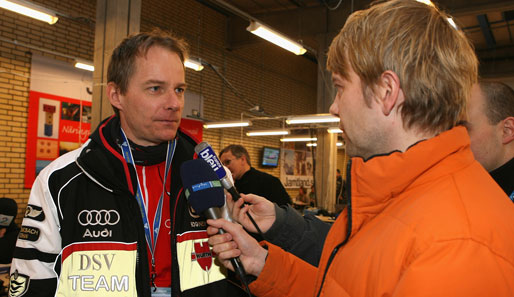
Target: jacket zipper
<point>348,229</point>
<point>174,239</point>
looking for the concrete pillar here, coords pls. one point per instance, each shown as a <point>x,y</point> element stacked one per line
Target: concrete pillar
<point>326,165</point>
<point>115,20</point>
<point>326,150</point>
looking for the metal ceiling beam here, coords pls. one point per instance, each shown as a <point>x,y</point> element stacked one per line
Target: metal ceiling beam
<point>485,8</point>
<point>486,30</point>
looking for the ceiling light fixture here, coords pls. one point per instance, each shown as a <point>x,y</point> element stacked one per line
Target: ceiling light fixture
<point>276,38</point>
<point>193,64</point>
<point>298,138</point>
<point>311,119</point>
<point>85,65</point>
<point>427,2</point>
<point>452,23</point>
<point>334,130</point>
<point>226,124</point>
<point>315,144</point>
<point>267,132</point>
<point>31,10</point>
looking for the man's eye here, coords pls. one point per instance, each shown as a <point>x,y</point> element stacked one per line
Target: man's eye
<point>180,90</point>
<point>154,89</point>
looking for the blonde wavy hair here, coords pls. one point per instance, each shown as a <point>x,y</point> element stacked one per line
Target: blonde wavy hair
<point>435,62</point>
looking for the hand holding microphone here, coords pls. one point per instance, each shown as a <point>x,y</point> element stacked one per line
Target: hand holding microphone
<point>259,208</point>
<point>237,243</point>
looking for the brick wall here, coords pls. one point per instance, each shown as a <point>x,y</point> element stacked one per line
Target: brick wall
<point>68,37</point>
<point>278,81</point>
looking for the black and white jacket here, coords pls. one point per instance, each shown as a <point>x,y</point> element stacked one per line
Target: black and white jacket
<point>83,235</point>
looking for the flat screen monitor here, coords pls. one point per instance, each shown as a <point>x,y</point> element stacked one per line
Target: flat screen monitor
<point>270,156</point>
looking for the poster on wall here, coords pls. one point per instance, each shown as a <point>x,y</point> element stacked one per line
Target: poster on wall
<point>297,168</point>
<point>56,125</point>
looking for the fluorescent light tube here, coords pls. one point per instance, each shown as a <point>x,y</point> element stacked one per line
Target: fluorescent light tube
<point>227,124</point>
<point>305,138</point>
<point>31,10</point>
<point>267,132</point>
<point>427,2</point>
<point>193,64</point>
<point>310,119</point>
<point>85,66</point>
<point>452,23</point>
<point>315,144</point>
<point>334,130</point>
<point>276,38</point>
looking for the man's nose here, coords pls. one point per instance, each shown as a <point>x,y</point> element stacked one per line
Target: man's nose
<point>173,101</point>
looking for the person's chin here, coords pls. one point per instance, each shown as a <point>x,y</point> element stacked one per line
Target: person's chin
<point>167,133</point>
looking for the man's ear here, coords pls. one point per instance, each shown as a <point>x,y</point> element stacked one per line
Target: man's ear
<point>508,130</point>
<point>113,92</point>
<point>388,91</point>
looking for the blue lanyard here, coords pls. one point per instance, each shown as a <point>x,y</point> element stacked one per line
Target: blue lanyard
<point>512,196</point>
<point>127,154</point>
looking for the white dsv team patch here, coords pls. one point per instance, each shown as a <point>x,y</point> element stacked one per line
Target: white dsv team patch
<point>91,269</point>
<point>19,283</point>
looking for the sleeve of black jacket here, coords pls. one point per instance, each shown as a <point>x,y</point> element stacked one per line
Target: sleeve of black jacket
<point>303,237</point>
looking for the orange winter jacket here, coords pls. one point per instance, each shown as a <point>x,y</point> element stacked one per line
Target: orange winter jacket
<point>426,222</point>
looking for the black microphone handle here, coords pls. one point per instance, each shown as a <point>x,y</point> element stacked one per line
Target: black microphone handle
<point>235,194</point>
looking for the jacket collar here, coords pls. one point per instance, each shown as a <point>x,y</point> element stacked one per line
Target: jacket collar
<point>376,181</point>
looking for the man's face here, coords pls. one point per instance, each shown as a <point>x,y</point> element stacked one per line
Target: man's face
<point>361,132</point>
<point>151,108</point>
<point>486,138</point>
<point>235,165</point>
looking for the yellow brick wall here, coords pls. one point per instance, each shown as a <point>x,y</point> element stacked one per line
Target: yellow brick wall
<point>67,37</point>
<point>278,81</point>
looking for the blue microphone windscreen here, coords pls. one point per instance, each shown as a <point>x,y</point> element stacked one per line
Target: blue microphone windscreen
<point>202,187</point>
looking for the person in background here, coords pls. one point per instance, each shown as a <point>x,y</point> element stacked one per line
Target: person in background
<point>312,196</point>
<point>111,218</point>
<point>8,229</point>
<point>250,180</point>
<point>423,218</point>
<point>490,126</point>
<point>302,196</point>
<point>8,235</point>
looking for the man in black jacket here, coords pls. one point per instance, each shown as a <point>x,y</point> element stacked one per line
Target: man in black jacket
<point>110,218</point>
<point>250,180</point>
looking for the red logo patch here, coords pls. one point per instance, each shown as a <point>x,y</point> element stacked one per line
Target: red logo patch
<point>203,255</point>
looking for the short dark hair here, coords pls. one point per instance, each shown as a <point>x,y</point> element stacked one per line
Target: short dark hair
<point>499,101</point>
<point>238,151</point>
<point>122,63</point>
